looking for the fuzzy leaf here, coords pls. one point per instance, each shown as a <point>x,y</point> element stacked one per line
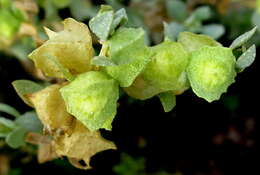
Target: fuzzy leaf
<point>25,87</point>
<point>9,110</point>
<point>211,70</point>
<point>102,61</point>
<point>102,23</point>
<point>213,30</point>
<point>72,48</point>
<point>92,99</point>
<point>120,18</point>
<point>30,122</point>
<point>172,30</point>
<point>6,126</point>
<point>202,13</point>
<point>51,109</point>
<point>128,51</point>
<point>193,42</point>
<point>168,101</point>
<point>242,39</point>
<point>246,59</point>
<point>176,9</point>
<point>15,139</point>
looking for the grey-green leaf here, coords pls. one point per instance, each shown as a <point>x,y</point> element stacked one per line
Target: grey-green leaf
<point>9,110</point>
<point>16,138</point>
<point>176,9</point>
<point>246,59</point>
<point>242,39</point>
<point>213,30</point>
<point>202,13</point>
<point>168,100</point>
<point>6,126</point>
<point>102,23</point>
<point>172,30</point>
<point>120,18</point>
<point>25,87</point>
<point>102,61</point>
<point>30,122</point>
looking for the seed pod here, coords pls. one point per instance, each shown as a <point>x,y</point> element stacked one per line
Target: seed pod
<point>165,72</point>
<point>211,70</point>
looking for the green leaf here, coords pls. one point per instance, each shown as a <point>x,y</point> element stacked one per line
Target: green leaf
<point>211,70</point>
<point>130,54</point>
<point>168,100</point>
<point>120,19</point>
<point>16,138</point>
<point>172,30</point>
<point>102,61</point>
<point>30,122</point>
<point>92,99</point>
<point>176,9</point>
<point>82,9</point>
<point>193,42</point>
<point>256,19</point>
<point>61,3</point>
<point>202,13</point>
<point>213,30</point>
<point>9,110</point>
<point>26,87</point>
<point>246,59</point>
<point>242,39</point>
<point>6,126</point>
<point>102,23</point>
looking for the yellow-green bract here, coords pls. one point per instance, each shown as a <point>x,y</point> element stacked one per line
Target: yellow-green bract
<point>92,99</point>
<point>211,70</point>
<point>130,54</point>
<point>192,41</point>
<point>165,72</point>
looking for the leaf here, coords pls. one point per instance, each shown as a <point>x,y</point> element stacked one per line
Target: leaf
<point>168,100</point>
<point>246,59</point>
<point>256,19</point>
<point>202,13</point>
<point>128,51</point>
<point>30,122</point>
<point>82,9</point>
<point>211,70</point>
<point>6,126</point>
<point>120,19</point>
<point>15,139</point>
<point>176,9</point>
<point>102,23</point>
<point>213,30</point>
<point>102,61</point>
<point>193,42</point>
<point>25,87</point>
<point>92,99</point>
<point>51,109</point>
<point>82,144</point>
<point>71,50</point>
<point>166,70</point>
<point>61,3</point>
<point>9,110</point>
<point>172,30</point>
<point>242,39</point>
